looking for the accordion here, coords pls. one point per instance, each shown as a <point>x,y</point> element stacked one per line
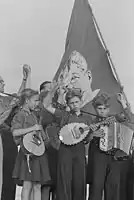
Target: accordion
<point>123,137</point>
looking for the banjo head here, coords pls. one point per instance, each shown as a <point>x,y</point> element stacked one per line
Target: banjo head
<point>31,146</point>
<point>69,133</point>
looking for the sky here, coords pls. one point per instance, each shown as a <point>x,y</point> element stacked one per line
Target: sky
<point>34,32</point>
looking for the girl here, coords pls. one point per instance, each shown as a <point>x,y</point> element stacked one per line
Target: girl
<point>24,122</point>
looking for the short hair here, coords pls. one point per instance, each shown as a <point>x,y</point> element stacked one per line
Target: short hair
<point>102,99</point>
<point>42,95</point>
<point>27,94</point>
<point>42,86</point>
<point>73,93</point>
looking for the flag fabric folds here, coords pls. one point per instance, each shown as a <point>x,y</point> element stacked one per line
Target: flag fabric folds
<point>82,37</point>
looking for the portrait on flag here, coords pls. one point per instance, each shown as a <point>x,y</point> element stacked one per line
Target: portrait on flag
<point>76,75</point>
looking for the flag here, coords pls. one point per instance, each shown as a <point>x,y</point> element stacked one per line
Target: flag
<point>82,37</point>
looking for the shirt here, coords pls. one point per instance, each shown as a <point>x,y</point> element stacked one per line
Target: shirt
<point>66,117</point>
<point>23,119</point>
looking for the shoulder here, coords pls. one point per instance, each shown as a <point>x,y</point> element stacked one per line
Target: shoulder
<point>18,120</point>
<point>87,118</point>
<point>59,112</point>
<point>19,116</point>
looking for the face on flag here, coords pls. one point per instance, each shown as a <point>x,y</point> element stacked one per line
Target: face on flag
<point>76,75</point>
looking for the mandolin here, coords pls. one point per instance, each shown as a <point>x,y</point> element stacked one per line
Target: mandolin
<point>74,133</point>
<point>34,142</point>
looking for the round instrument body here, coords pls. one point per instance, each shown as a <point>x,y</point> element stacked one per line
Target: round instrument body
<point>32,146</point>
<point>70,134</point>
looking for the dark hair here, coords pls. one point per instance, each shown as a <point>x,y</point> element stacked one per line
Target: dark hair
<point>42,95</point>
<point>102,99</point>
<point>73,93</point>
<point>27,94</point>
<point>42,86</point>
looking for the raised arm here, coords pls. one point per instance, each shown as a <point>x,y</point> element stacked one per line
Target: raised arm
<point>47,103</point>
<point>47,98</point>
<point>17,125</point>
<point>25,82</point>
<point>126,109</point>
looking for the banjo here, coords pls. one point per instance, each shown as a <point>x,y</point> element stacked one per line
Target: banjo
<point>74,133</point>
<point>34,142</point>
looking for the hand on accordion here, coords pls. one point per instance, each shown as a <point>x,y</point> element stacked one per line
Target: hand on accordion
<point>98,133</point>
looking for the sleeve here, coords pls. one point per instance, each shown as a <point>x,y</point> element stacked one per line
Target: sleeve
<point>129,114</point>
<point>126,115</point>
<point>18,121</point>
<point>60,113</point>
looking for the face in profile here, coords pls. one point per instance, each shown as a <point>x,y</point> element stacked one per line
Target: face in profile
<point>33,102</point>
<point>102,110</point>
<point>74,104</point>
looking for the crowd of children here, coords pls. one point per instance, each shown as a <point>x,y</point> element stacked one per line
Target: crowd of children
<point>62,169</point>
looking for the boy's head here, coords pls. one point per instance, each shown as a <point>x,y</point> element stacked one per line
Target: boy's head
<point>45,86</point>
<point>73,100</point>
<point>30,98</point>
<point>101,104</point>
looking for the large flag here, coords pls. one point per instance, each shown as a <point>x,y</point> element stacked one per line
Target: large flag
<point>83,47</point>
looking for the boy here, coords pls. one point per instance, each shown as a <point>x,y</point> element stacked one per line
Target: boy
<point>103,171</point>
<point>71,184</point>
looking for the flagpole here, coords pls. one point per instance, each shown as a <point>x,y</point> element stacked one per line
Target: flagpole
<point>109,56</point>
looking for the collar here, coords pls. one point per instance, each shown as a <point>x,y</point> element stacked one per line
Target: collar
<point>73,113</point>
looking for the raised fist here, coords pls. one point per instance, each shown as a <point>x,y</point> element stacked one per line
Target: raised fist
<point>26,71</point>
<point>121,99</point>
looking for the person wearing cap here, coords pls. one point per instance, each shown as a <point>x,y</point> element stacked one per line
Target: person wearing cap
<point>71,182</point>
<point>8,149</point>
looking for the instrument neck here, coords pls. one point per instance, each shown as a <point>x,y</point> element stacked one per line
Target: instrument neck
<point>94,126</point>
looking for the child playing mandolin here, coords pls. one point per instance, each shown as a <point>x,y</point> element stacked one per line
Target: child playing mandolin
<point>30,169</point>
<point>71,183</point>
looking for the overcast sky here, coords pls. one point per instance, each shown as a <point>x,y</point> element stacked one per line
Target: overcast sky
<point>34,32</point>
